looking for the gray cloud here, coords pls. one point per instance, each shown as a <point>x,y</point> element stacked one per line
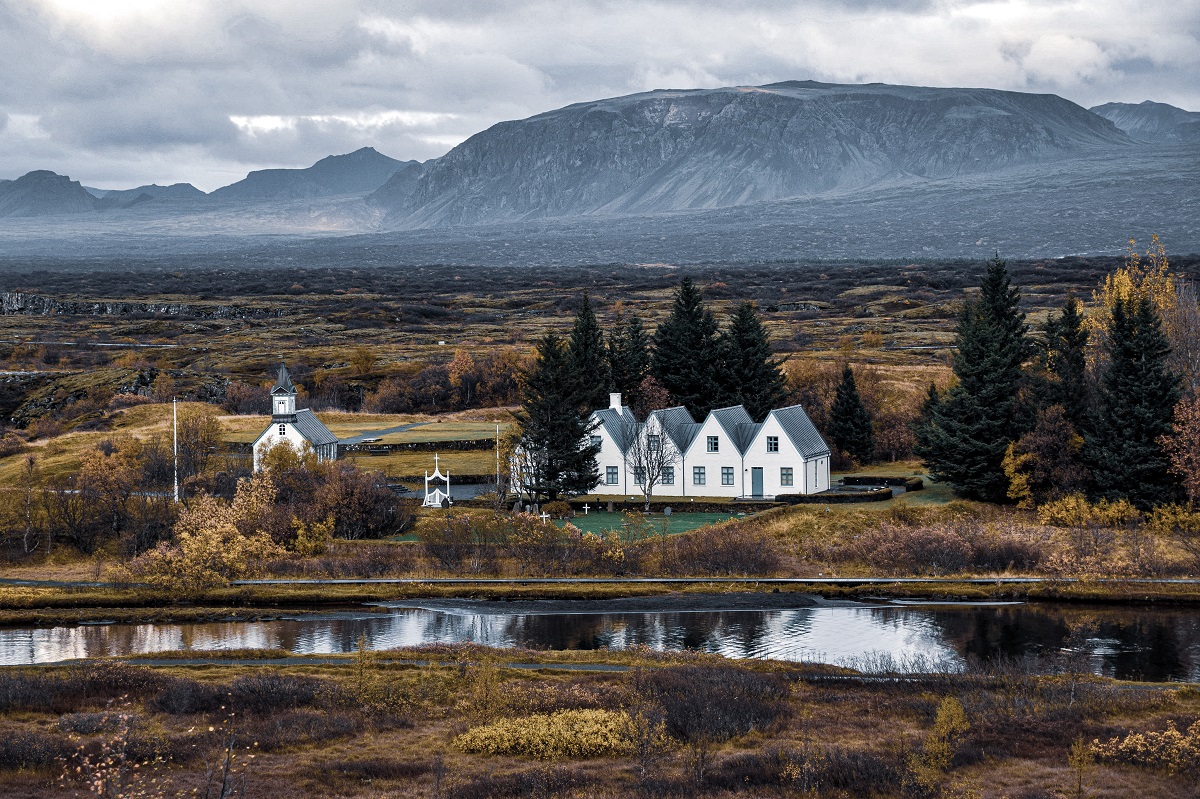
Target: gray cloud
<point>117,94</point>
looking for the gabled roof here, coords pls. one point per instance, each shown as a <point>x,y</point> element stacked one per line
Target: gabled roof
<point>679,425</point>
<point>801,431</point>
<point>745,436</point>
<point>620,426</point>
<point>731,419</point>
<point>313,429</point>
<point>283,382</point>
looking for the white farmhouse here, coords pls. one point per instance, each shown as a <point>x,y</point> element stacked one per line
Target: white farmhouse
<point>726,455</point>
<point>300,428</point>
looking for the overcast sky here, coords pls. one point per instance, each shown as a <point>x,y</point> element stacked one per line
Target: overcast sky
<point>118,93</point>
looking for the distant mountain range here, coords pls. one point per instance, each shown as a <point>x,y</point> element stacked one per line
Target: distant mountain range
<point>794,150</point>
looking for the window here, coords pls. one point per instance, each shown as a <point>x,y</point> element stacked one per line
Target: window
<point>639,476</point>
<point>714,445</point>
<point>668,475</point>
<point>726,475</point>
<point>772,443</point>
<point>785,476</point>
<point>654,443</point>
<point>698,475</point>
<point>596,442</point>
<point>283,429</point>
<point>611,475</point>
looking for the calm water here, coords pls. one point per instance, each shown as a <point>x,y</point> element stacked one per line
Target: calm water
<point>1127,643</point>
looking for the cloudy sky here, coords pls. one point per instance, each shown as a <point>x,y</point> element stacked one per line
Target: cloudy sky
<point>118,93</point>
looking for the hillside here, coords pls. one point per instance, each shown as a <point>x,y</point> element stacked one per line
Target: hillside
<point>1152,122</point>
<point>43,193</point>
<point>714,148</point>
<point>359,172</point>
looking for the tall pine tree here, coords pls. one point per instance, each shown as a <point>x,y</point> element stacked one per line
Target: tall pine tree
<point>555,455</point>
<point>850,422</point>
<point>1138,398</point>
<point>628,357</point>
<point>590,375</point>
<point>748,374</point>
<point>685,352</point>
<point>1065,364</point>
<point>964,441</point>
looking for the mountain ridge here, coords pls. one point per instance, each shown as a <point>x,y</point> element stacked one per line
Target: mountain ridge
<point>358,172</point>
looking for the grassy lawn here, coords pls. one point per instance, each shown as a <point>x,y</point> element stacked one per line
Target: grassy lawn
<point>417,463</point>
<point>600,522</point>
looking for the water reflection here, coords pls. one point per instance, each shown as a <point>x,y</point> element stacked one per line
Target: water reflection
<point>1127,643</point>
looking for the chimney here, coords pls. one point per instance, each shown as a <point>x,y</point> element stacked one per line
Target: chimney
<point>614,401</point>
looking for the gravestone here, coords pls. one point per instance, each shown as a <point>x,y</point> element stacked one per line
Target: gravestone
<point>667,511</point>
<point>610,506</point>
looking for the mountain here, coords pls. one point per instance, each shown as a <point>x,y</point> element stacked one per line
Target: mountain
<point>43,193</point>
<point>1152,122</point>
<point>176,191</point>
<point>359,172</point>
<point>400,186</point>
<point>665,151</point>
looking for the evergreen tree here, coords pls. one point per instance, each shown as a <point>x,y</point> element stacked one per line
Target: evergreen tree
<point>748,374</point>
<point>628,358</point>
<point>969,430</point>
<point>850,422</point>
<point>590,378</point>
<point>554,453</point>
<point>685,352</point>
<point>1065,364</point>
<point>1138,399</point>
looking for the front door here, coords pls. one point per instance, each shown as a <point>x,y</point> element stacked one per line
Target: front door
<point>756,481</point>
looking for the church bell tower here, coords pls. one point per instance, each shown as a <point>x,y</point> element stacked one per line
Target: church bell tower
<point>283,397</point>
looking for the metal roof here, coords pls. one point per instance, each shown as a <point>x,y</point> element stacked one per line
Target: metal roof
<point>801,431</point>
<point>679,425</point>
<point>620,426</point>
<point>283,382</point>
<point>730,419</point>
<point>744,437</point>
<point>313,429</point>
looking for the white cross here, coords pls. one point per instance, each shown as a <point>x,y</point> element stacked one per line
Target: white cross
<point>544,517</point>
<point>585,509</point>
<point>435,462</point>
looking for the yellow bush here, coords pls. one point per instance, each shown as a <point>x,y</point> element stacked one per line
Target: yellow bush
<point>1169,750</point>
<point>557,736</point>
<point>1076,511</point>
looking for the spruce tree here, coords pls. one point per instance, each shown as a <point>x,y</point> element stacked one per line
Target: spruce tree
<point>685,352</point>
<point>1138,399</point>
<point>748,374</point>
<point>969,429</point>
<point>1065,363</point>
<point>850,422</point>
<point>554,451</point>
<point>590,378</point>
<point>628,357</point>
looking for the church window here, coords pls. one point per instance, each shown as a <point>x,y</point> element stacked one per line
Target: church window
<point>283,429</point>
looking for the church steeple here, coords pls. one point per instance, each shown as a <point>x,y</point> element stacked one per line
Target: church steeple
<point>283,397</point>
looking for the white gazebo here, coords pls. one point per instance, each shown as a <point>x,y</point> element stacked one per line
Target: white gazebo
<point>437,497</point>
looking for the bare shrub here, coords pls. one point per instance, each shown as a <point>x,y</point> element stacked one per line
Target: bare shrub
<point>899,549</point>
<point>301,728</point>
<point>729,549</point>
<point>30,749</point>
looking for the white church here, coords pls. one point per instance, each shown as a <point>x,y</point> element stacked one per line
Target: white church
<point>726,455</point>
<point>300,428</point>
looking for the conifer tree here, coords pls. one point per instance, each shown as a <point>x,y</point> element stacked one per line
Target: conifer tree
<point>555,455</point>
<point>1065,362</point>
<point>1138,399</point>
<point>685,352</point>
<point>590,378</point>
<point>969,430</point>
<point>628,357</point>
<point>850,422</point>
<point>748,375</point>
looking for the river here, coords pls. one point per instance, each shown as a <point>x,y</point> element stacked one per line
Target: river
<point>1128,643</point>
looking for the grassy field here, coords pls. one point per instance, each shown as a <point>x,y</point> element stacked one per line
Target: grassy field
<point>371,726</point>
<point>601,522</point>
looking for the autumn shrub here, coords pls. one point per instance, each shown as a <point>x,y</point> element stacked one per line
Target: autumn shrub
<point>32,749</point>
<point>900,549</point>
<point>271,692</point>
<point>731,549</point>
<point>87,685</point>
<point>300,728</point>
<point>349,560</point>
<point>543,781</point>
<point>556,736</point>
<point>183,696</point>
<point>558,510</point>
<point>1171,751</point>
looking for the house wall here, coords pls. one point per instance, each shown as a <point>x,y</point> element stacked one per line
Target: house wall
<point>270,437</point>
<point>610,455</point>
<point>727,456</point>
<point>806,475</point>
